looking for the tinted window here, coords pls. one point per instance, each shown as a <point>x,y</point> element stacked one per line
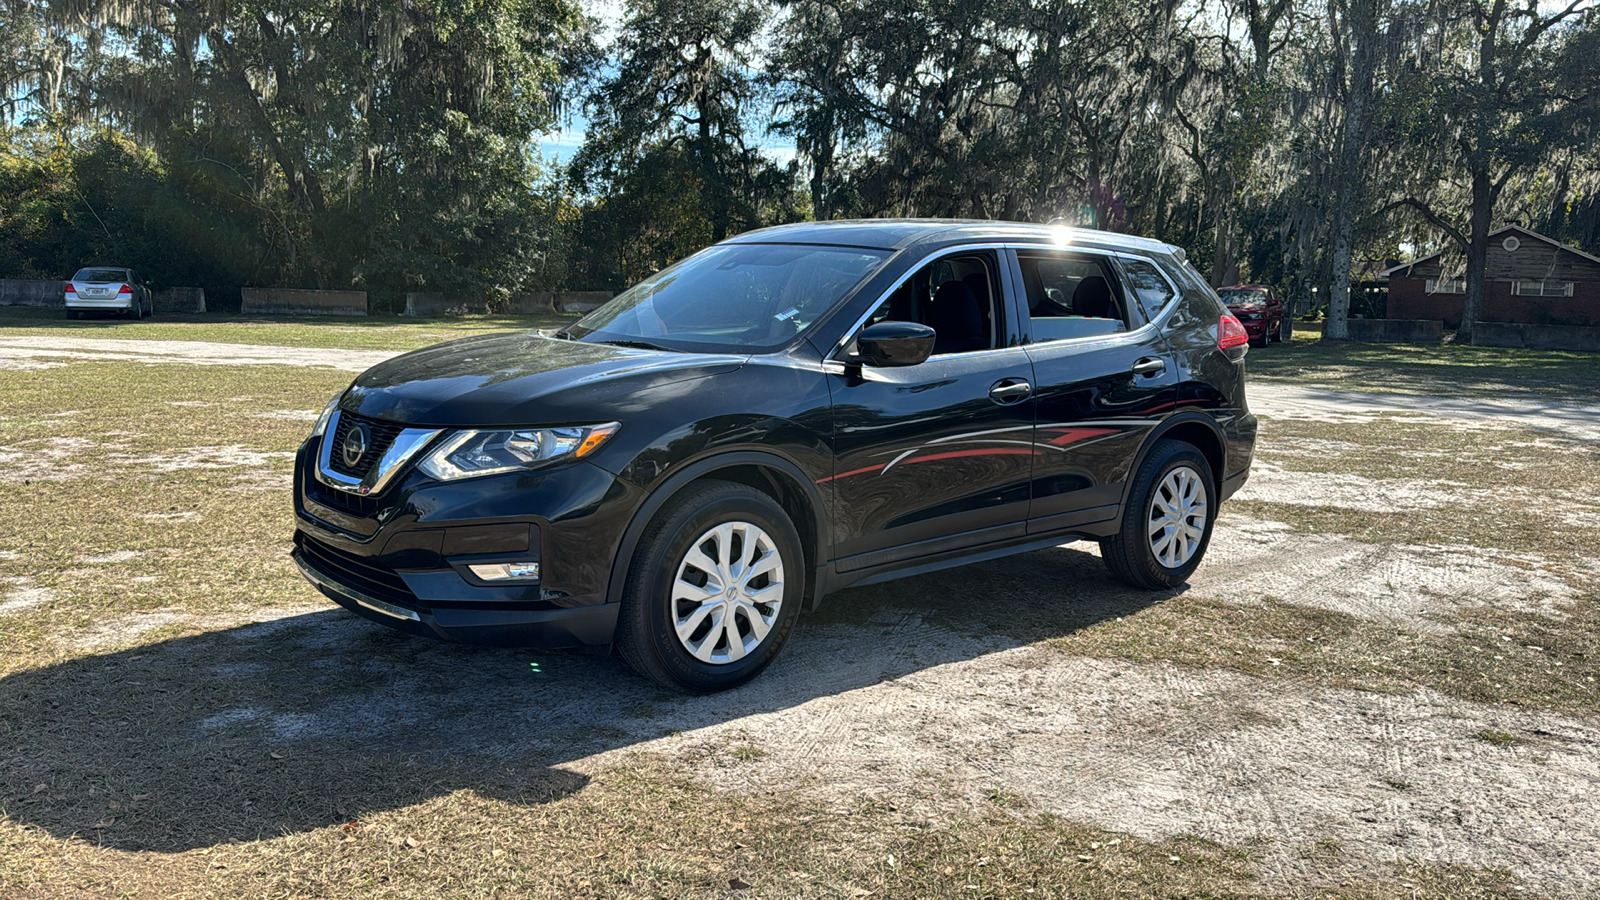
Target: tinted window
<point>1148,285</point>
<point>101,276</point>
<point>1070,296</point>
<point>732,297</point>
<point>953,295</point>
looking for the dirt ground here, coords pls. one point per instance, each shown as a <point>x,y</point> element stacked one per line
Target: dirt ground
<point>1243,711</point>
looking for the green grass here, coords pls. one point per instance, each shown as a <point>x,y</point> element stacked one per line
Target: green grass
<point>1447,369</point>
<point>349,332</point>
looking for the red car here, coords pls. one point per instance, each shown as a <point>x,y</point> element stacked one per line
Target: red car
<point>1260,309</point>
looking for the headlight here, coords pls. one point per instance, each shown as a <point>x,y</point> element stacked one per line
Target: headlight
<point>327,413</point>
<point>466,454</point>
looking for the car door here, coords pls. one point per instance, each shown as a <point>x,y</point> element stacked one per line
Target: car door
<point>1104,377</point>
<point>936,456</point>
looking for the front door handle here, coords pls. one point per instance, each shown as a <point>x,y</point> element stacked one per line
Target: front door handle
<point>1010,390</point>
<point>1150,365</point>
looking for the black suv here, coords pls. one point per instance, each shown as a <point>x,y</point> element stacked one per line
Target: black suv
<point>776,417</point>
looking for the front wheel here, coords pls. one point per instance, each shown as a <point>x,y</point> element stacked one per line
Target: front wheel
<point>713,590</point>
<point>1166,526</point>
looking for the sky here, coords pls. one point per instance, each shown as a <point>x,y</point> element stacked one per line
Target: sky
<point>562,143</point>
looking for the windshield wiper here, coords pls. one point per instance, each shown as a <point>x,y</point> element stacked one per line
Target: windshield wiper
<point>562,335</point>
<point>636,345</point>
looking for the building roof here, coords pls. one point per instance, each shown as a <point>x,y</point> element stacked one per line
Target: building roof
<point>1492,235</point>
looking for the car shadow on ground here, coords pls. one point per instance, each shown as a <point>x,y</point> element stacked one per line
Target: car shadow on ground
<point>316,719</point>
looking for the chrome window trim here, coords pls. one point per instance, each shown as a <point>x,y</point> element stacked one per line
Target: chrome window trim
<point>1158,322</point>
<point>405,446</point>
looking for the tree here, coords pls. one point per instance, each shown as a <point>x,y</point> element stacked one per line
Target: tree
<point>1518,85</point>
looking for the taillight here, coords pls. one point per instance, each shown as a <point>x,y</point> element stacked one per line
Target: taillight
<point>1231,333</point>
<point>124,290</point>
<point>71,289</point>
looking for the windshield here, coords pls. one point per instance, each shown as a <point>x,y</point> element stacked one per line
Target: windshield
<point>101,276</point>
<point>1242,296</point>
<point>731,297</point>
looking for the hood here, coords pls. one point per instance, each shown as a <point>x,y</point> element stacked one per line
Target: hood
<point>522,379</point>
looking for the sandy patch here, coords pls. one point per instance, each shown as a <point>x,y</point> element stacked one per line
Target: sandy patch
<point>1250,561</point>
<point>52,350</point>
<point>1157,751</point>
<point>22,595</point>
<point>1273,484</point>
<point>1283,401</point>
<point>117,632</point>
<point>209,457</point>
<point>289,415</point>
<point>115,556</point>
<point>47,459</point>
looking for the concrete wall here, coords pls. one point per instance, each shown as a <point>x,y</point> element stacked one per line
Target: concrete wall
<point>1397,331</point>
<point>27,292</point>
<point>1536,337</point>
<point>430,305</point>
<point>530,304</point>
<point>581,302</point>
<point>180,300</point>
<point>293,302</point>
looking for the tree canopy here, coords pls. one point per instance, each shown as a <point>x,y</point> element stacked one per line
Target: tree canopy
<point>393,144</point>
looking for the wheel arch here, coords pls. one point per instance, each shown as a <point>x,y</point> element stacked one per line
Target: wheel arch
<point>1196,429</point>
<point>766,472</point>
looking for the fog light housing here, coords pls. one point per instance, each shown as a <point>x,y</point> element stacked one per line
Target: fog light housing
<point>526,570</point>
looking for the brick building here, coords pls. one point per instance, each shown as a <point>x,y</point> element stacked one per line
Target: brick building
<point>1530,279</point>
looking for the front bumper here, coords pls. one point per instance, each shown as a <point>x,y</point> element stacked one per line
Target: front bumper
<point>548,628</point>
<point>400,557</point>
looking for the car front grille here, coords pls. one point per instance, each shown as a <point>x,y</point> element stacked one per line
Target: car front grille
<point>358,505</point>
<point>380,435</point>
<point>356,572</point>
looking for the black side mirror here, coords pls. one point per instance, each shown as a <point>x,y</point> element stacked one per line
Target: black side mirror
<point>889,344</point>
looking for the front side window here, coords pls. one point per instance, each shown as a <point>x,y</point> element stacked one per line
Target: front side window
<point>731,298</point>
<point>955,296</point>
<point>1070,295</point>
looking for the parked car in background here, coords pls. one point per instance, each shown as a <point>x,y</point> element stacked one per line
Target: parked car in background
<point>109,289</point>
<point>1261,310</point>
<point>778,417</point>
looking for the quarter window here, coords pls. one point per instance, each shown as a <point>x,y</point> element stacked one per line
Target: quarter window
<point>1149,285</point>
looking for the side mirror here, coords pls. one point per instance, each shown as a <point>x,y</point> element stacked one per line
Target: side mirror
<point>889,344</point>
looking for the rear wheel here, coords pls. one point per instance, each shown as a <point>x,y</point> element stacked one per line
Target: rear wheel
<point>713,590</point>
<point>1285,329</point>
<point>74,314</point>
<point>1166,526</point>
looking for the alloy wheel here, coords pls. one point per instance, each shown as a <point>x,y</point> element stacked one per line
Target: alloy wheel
<point>727,592</point>
<point>1177,517</point>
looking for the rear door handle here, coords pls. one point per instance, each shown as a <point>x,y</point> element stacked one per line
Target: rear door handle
<point>1150,365</point>
<point>1010,390</point>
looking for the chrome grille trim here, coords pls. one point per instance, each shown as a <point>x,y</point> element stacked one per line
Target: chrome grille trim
<point>406,445</point>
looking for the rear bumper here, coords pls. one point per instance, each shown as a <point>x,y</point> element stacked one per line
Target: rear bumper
<point>117,303</point>
<point>544,628</point>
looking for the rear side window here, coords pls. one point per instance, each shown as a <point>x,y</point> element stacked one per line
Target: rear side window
<point>1149,286</point>
<point>101,276</point>
<point>1070,295</point>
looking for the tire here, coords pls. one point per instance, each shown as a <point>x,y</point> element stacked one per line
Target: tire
<point>1137,558</point>
<point>74,314</point>
<point>710,520</point>
<point>1285,329</point>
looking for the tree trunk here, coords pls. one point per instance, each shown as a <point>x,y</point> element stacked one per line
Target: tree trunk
<point>1361,22</point>
<point>1477,252</point>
